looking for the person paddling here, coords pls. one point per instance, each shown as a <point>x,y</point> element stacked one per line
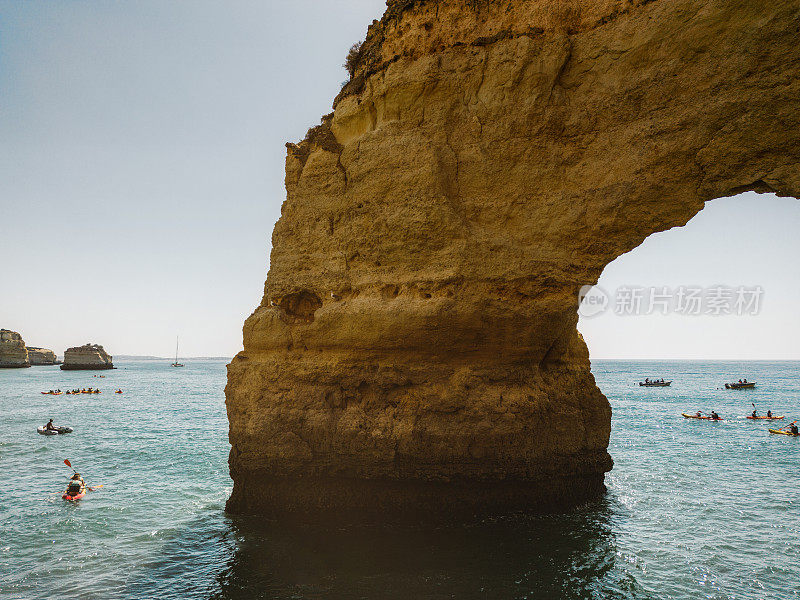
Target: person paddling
<point>50,426</point>
<point>755,415</point>
<point>714,416</point>
<point>793,428</point>
<point>76,485</point>
<point>769,414</point>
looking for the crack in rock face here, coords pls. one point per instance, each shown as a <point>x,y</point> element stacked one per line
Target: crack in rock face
<point>416,347</point>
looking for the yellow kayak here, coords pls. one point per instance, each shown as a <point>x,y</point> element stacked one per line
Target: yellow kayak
<point>782,432</point>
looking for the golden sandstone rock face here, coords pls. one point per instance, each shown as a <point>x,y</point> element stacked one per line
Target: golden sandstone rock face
<point>41,356</point>
<point>416,345</point>
<point>89,357</point>
<point>13,353</point>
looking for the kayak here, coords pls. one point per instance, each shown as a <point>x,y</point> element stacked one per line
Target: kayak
<point>782,432</point>
<point>51,393</point>
<point>704,418</point>
<point>778,418</point>
<point>44,431</point>
<point>69,498</point>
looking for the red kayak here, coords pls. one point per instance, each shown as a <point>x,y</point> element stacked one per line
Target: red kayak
<point>69,498</point>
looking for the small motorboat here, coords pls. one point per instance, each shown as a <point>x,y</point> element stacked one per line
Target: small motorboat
<point>747,385</point>
<point>44,431</point>
<point>654,383</point>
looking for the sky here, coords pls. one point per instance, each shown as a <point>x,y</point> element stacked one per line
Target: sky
<point>141,174</point>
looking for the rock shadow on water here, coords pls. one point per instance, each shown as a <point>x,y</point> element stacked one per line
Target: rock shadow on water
<point>570,555</point>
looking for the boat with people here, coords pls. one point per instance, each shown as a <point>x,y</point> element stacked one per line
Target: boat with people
<point>775,418</point>
<point>53,430</point>
<point>699,415</point>
<point>654,383</point>
<point>76,488</point>
<point>52,393</point>
<point>790,429</point>
<point>742,384</point>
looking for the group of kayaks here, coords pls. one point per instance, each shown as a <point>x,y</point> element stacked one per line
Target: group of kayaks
<point>790,430</point>
<point>718,418</point>
<point>68,392</point>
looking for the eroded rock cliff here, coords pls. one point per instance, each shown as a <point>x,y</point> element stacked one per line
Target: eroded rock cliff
<point>13,353</point>
<point>416,345</point>
<point>87,357</point>
<point>41,356</point>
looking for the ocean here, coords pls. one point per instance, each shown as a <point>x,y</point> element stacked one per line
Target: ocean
<point>694,509</point>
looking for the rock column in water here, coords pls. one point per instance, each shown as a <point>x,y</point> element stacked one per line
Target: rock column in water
<point>13,353</point>
<point>416,345</point>
<point>41,356</point>
<point>89,357</point>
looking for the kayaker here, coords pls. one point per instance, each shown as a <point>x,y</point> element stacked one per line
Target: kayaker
<point>769,414</point>
<point>714,416</point>
<point>755,414</point>
<point>76,485</point>
<point>699,413</point>
<point>793,428</point>
<point>50,426</point>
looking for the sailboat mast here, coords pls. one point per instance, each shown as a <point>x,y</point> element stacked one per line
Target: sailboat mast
<point>176,349</point>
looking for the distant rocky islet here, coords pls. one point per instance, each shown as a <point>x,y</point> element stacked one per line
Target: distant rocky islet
<point>14,353</point>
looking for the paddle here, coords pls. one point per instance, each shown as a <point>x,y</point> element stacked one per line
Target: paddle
<point>69,464</point>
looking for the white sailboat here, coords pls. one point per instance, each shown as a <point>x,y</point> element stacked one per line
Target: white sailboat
<point>176,363</point>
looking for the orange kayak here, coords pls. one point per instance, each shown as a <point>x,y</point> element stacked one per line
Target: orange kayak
<point>775,418</point>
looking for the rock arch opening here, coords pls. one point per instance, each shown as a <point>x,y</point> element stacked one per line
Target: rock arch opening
<point>720,287</point>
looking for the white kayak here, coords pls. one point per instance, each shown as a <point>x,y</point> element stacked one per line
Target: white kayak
<point>44,431</point>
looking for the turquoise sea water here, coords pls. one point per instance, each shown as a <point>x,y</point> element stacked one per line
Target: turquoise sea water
<point>694,509</point>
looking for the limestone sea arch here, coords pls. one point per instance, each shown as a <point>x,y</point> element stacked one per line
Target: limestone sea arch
<point>416,344</point>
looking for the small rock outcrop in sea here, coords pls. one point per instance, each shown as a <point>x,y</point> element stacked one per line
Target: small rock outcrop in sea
<point>13,353</point>
<point>416,344</point>
<point>41,356</point>
<point>86,357</point>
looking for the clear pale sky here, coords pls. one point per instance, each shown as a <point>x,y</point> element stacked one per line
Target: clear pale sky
<point>141,173</point>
